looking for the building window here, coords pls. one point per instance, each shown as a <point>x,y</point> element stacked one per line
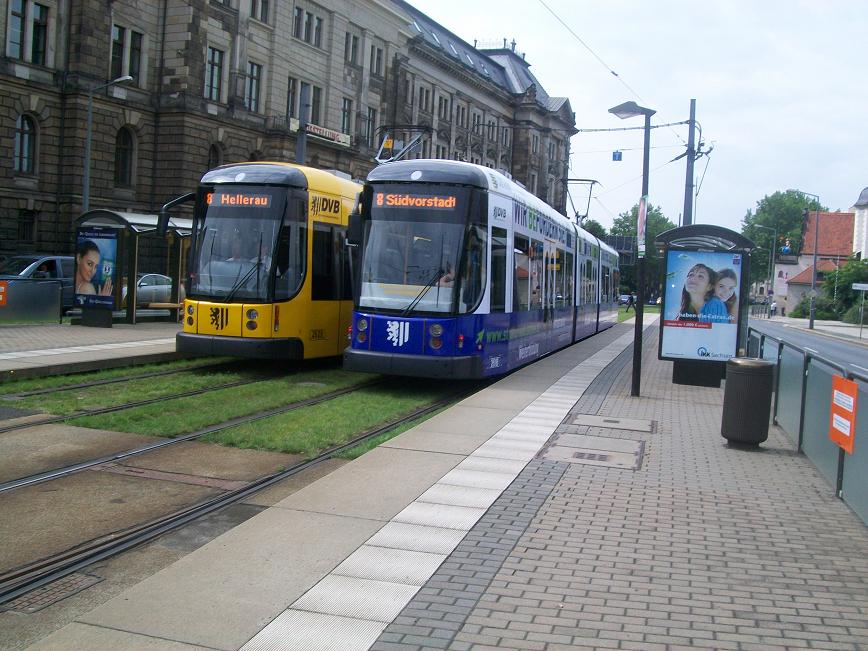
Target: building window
<point>443,108</point>
<point>297,20</point>
<point>505,137</point>
<point>533,182</point>
<point>214,75</point>
<point>317,31</point>
<point>371,127</point>
<point>259,10</point>
<point>425,99</point>
<point>25,145</point>
<point>492,131</point>
<point>376,61</point>
<point>308,27</point>
<point>16,29</point>
<point>477,124</point>
<point>251,87</point>
<point>441,151</point>
<point>346,115</point>
<point>291,98</point>
<point>351,49</point>
<point>535,145</point>
<point>40,34</point>
<point>315,105</point>
<point>27,226</point>
<point>126,55</point>
<point>461,116</point>
<point>124,158</point>
<point>28,23</point>
<point>215,156</point>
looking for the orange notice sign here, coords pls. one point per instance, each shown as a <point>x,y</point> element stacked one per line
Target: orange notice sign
<point>842,421</point>
<point>3,289</point>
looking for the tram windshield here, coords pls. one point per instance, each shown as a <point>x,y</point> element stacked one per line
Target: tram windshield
<point>414,243</point>
<point>249,244</point>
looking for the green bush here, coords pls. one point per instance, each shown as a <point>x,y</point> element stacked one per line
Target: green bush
<point>824,309</point>
<point>852,315</point>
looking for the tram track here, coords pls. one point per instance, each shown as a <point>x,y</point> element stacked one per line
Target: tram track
<point>117,380</point>
<point>21,580</point>
<point>131,405</point>
<point>57,473</point>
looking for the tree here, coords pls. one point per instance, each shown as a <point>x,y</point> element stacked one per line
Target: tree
<point>782,212</point>
<point>655,223</point>
<point>595,228</point>
<point>838,287</point>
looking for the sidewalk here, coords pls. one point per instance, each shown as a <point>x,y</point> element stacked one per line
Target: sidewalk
<point>839,329</point>
<point>33,350</point>
<point>550,511</point>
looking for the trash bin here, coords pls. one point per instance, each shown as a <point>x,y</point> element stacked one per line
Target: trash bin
<point>747,400</point>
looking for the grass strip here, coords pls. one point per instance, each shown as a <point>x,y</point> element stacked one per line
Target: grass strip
<point>75,400</point>
<point>60,381</point>
<point>181,415</point>
<point>310,430</point>
<point>356,451</point>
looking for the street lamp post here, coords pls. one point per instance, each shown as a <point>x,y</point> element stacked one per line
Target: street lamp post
<point>771,255</point>
<point>814,267</point>
<point>85,189</point>
<point>623,111</point>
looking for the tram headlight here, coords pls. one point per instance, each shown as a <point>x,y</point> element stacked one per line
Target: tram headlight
<point>190,310</point>
<point>251,325</point>
<point>436,330</point>
<point>189,320</point>
<point>435,343</point>
<point>362,325</point>
<point>361,337</point>
<point>252,314</point>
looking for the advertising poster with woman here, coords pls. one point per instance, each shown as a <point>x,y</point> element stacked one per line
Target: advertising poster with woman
<point>700,305</point>
<point>95,270</point>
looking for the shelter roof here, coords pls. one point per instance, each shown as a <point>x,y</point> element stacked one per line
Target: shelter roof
<point>136,222</point>
<point>704,236</point>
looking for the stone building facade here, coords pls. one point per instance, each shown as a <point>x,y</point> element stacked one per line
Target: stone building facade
<point>219,81</point>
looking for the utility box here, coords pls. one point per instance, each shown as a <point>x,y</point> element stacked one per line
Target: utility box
<point>704,311</point>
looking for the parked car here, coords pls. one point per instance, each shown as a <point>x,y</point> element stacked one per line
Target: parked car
<point>151,288</point>
<point>623,299</point>
<point>43,266</point>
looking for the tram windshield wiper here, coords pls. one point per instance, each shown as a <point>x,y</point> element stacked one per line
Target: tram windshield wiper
<point>437,276</point>
<point>238,285</point>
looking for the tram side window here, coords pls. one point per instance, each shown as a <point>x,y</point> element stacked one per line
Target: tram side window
<point>568,279</point>
<point>521,278</point>
<point>326,279</point>
<point>606,280</point>
<point>498,269</point>
<point>536,275</point>
<point>473,278</point>
<point>587,283</point>
<point>289,260</point>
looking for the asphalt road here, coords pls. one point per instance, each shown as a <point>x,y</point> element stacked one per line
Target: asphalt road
<point>850,354</point>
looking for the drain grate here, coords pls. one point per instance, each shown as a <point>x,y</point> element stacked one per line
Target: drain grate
<point>40,598</point>
<point>595,451</point>
<point>612,422</point>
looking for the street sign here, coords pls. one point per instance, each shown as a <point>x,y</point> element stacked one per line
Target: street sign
<point>860,287</point>
<point>842,419</point>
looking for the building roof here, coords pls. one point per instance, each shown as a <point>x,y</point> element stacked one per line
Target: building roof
<point>835,237</point>
<point>863,199</point>
<point>502,66</point>
<point>804,277</point>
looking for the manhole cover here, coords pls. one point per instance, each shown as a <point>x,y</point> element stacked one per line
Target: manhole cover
<point>43,597</point>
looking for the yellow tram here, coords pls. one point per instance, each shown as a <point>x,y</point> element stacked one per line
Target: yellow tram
<point>269,272</point>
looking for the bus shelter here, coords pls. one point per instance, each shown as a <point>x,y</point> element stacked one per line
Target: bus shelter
<point>704,311</point>
<point>112,239</point>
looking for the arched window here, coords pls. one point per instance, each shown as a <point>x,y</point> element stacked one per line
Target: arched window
<point>25,145</point>
<point>215,156</point>
<point>124,158</point>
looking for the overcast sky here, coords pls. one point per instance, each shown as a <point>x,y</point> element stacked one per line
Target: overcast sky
<point>781,88</point>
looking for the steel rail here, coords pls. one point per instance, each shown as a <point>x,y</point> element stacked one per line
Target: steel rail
<point>22,580</point>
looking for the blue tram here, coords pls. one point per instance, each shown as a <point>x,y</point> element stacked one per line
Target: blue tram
<point>464,274</point>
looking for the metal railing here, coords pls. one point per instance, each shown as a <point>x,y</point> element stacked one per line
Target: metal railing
<point>804,377</point>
